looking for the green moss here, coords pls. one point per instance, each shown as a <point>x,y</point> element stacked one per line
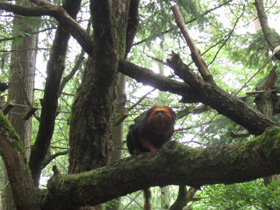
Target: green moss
<point>268,143</point>
<point>10,132</point>
<point>182,151</point>
<point>4,123</point>
<point>17,146</point>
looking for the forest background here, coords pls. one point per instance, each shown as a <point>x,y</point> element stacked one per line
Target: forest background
<point>64,63</point>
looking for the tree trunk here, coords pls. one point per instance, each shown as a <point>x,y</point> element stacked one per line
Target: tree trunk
<point>12,152</point>
<point>265,103</point>
<point>117,135</point>
<point>55,69</point>
<point>21,85</point>
<point>90,129</point>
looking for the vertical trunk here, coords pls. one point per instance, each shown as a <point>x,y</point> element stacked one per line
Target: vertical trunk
<point>265,103</point>
<point>90,130</point>
<point>117,134</point>
<point>55,69</point>
<point>22,75</point>
<point>12,152</point>
<point>92,111</point>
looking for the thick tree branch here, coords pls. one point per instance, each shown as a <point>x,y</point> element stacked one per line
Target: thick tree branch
<point>12,152</point>
<point>148,77</point>
<point>197,90</point>
<point>174,164</point>
<point>235,109</point>
<point>60,15</point>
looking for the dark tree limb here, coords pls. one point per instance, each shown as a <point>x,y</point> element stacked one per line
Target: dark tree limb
<point>184,197</point>
<point>174,164</point>
<point>49,158</point>
<point>148,77</point>
<point>133,21</point>
<point>235,109</point>
<point>55,68</point>
<point>12,152</point>
<point>80,59</point>
<point>60,14</point>
<point>197,90</point>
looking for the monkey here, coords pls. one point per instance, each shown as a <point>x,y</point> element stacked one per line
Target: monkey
<point>149,135</point>
<point>156,128</point>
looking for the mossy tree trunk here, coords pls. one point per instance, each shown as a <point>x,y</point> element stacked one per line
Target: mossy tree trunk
<point>13,155</point>
<point>21,85</point>
<point>90,129</point>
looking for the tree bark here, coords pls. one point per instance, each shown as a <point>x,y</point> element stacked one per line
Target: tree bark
<point>13,154</point>
<point>55,68</point>
<point>21,85</point>
<point>117,134</point>
<point>265,103</point>
<point>90,130</point>
<point>196,90</point>
<point>173,164</point>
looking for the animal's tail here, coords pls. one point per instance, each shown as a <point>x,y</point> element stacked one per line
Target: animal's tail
<point>147,196</point>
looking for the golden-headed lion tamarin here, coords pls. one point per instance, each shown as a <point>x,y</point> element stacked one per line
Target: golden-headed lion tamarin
<point>150,134</point>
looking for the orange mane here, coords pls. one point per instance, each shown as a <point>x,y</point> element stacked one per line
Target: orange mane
<point>168,117</point>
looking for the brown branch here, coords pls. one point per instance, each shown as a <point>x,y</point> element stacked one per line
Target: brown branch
<point>199,62</point>
<point>12,152</point>
<point>184,197</point>
<point>49,158</point>
<point>59,14</point>
<point>224,103</point>
<point>72,73</point>
<point>41,2</point>
<point>55,68</point>
<point>162,83</point>
<point>133,21</point>
<point>173,164</point>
